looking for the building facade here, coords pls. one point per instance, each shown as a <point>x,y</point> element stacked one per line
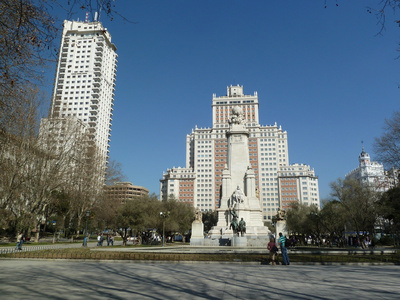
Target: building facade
<point>206,155</point>
<point>298,184</point>
<point>85,82</point>
<point>125,191</point>
<point>373,174</point>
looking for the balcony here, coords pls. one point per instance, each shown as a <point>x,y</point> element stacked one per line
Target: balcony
<point>97,71</point>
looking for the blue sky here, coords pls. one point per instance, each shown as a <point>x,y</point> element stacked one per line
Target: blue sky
<point>323,74</point>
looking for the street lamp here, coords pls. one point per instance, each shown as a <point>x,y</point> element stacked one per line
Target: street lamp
<point>86,230</point>
<point>164,216</point>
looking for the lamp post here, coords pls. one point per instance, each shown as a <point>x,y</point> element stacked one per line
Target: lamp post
<point>164,216</point>
<point>85,239</point>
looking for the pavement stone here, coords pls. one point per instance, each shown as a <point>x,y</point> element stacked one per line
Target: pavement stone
<point>70,279</point>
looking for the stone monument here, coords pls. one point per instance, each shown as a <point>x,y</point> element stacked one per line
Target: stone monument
<point>197,237</point>
<point>280,225</point>
<point>239,199</point>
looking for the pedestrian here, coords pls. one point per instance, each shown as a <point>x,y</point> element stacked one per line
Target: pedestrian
<point>108,240</point>
<point>99,237</point>
<point>273,251</point>
<point>282,243</point>
<point>84,241</point>
<point>112,240</point>
<point>20,241</point>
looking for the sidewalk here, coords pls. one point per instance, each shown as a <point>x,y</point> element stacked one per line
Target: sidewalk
<point>49,279</point>
<point>35,247</point>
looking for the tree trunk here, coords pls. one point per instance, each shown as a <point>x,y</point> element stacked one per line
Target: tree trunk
<point>37,235</point>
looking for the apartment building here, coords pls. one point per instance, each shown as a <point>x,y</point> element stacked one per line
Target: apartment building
<point>206,154</point>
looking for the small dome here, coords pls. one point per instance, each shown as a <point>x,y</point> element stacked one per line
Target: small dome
<point>364,156</point>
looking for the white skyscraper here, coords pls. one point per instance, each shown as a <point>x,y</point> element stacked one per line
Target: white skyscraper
<point>85,81</point>
<point>200,182</point>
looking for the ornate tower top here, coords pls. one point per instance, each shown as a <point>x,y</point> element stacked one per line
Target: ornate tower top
<point>364,157</point>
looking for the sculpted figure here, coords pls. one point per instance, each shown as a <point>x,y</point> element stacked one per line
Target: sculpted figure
<point>238,195</point>
<point>234,223</point>
<point>237,115</point>
<point>198,215</point>
<point>280,215</point>
<point>242,227</point>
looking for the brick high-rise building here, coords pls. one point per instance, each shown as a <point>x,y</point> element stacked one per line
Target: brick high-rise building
<point>206,157</point>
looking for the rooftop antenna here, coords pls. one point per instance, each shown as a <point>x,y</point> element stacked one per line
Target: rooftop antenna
<point>95,16</point>
<point>87,17</point>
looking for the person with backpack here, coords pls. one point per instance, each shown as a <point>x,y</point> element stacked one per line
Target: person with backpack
<point>282,243</point>
<point>273,251</point>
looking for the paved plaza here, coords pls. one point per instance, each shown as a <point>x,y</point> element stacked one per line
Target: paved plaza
<point>69,279</point>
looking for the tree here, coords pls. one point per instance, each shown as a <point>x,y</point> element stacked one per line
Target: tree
<point>32,167</point>
<point>389,210</point>
<point>114,172</point>
<point>303,220</point>
<point>332,221</point>
<point>26,32</point>
<point>210,219</point>
<point>134,216</point>
<point>387,147</point>
<point>180,218</point>
<point>359,204</point>
<point>22,162</point>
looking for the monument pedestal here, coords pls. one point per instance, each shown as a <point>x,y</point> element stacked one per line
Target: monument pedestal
<point>281,227</point>
<point>197,237</point>
<point>239,241</point>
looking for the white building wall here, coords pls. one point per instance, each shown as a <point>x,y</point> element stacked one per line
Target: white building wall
<point>85,80</point>
<point>370,173</point>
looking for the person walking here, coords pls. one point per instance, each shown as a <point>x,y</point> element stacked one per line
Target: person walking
<point>99,240</point>
<point>20,241</point>
<point>282,243</point>
<point>273,251</point>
